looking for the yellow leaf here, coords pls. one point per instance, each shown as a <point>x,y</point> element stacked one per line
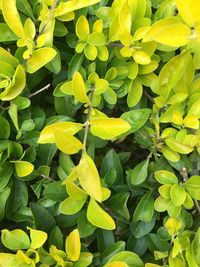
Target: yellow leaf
<point>173,226</point>
<point>151,265</point>
<point>191,121</point>
<point>109,128</point>
<point>105,193</point>
<point>47,134</point>
<point>98,26</point>
<point>23,168</point>
<point>170,32</point>
<point>178,147</point>
<point>11,16</point>
<point>141,57</point>
<point>98,217</point>
<point>39,58</point>
<point>73,245</point>
<point>38,238</point>
<point>177,118</point>
<point>82,28</point>
<point>116,264</point>
<point>75,191</point>
<point>89,177</point>
<point>79,88</point>
<point>189,11</point>
<point>8,260</point>
<point>17,85</point>
<point>67,143</point>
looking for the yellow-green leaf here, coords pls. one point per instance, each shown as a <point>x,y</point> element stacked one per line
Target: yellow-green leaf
<point>109,128</point>
<point>90,52</point>
<point>67,143</point>
<point>73,245</point>
<point>70,206</point>
<point>98,217</point>
<point>15,239</point>
<point>170,32</point>
<point>173,225</point>
<point>23,168</point>
<point>75,192</point>
<point>39,58</point>
<point>135,93</point>
<point>38,238</point>
<point>11,16</point>
<point>170,154</point>
<point>141,57</point>
<point>189,11</point>
<point>191,121</point>
<point>97,39</point>
<point>17,85</point>
<point>177,118</point>
<point>178,146</point>
<point>8,260</point>
<point>47,134</point>
<point>79,88</point>
<point>177,194</point>
<point>82,28</point>
<point>89,177</point>
<point>116,264</point>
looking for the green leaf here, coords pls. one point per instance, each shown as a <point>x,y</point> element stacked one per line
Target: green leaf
<point>98,217</point>
<point>84,226</point>
<point>6,34</point>
<point>23,168</point>
<point>3,199</point>
<point>14,240</point>
<point>140,172</point>
<point>55,191</point>
<point>5,128</point>
<point>166,177</point>
<point>12,18</point>
<point>136,118</point>
<point>108,128</point>
<point>6,170</point>
<point>89,177</point>
<point>192,186</point>
<point>39,58</point>
<point>145,208</point>
<point>73,245</point>
<point>178,146</point>
<point>177,194</point>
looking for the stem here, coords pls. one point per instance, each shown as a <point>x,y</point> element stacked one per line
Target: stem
<point>151,99</point>
<point>48,18</point>
<point>87,123</point>
<point>40,90</point>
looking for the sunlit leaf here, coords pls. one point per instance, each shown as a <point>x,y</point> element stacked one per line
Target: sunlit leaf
<point>15,239</point>
<point>38,238</point>
<point>79,88</point>
<point>73,245</point>
<point>23,168</point>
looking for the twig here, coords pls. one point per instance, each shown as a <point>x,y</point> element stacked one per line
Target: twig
<point>151,99</point>
<point>87,123</point>
<point>47,21</point>
<point>40,90</point>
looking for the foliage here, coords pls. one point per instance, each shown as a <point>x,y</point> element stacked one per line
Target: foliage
<point>100,134</point>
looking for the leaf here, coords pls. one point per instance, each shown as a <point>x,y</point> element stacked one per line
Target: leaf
<point>38,238</point>
<point>15,239</point>
<point>170,154</point>
<point>5,128</point>
<point>135,93</point>
<point>67,143</point>
<point>89,177</point>
<point>71,206</point>
<point>39,58</point>
<point>82,28</point>
<point>177,194</point>
<point>116,264</point>
<point>12,18</point>
<point>97,39</point>
<point>8,260</point>
<point>6,34</point>
<point>90,52</point>
<point>73,245</point>
<point>136,118</point>
<point>108,128</point>
<point>145,208</point>
<point>16,86</point>
<point>171,73</point>
<point>166,177</point>
<point>140,172</point>
<point>164,31</point>
<point>84,226</point>
<point>178,146</point>
<point>75,192</point>
<point>189,11</point>
<point>128,257</point>
<point>98,217</point>
<point>195,109</point>
<point>55,191</point>
<point>79,88</point>
<point>23,168</point>
<point>3,199</point>
<point>192,186</point>
<point>191,121</point>
<point>47,134</point>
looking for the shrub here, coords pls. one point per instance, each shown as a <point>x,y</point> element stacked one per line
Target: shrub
<point>100,136</point>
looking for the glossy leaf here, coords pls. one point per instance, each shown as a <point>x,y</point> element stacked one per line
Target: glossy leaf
<point>98,217</point>
<point>23,168</point>
<point>79,88</point>
<point>38,238</point>
<point>166,177</point>
<point>73,245</point>
<point>15,239</point>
